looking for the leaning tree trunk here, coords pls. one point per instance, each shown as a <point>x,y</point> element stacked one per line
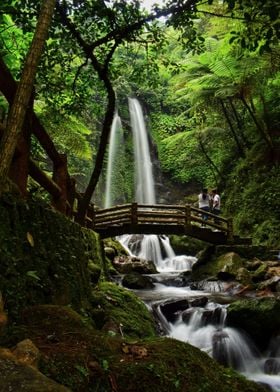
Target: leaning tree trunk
<point>22,97</point>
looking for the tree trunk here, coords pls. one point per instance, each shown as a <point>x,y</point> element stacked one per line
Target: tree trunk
<point>23,94</point>
<point>263,132</point>
<point>239,123</point>
<point>240,149</point>
<point>213,167</point>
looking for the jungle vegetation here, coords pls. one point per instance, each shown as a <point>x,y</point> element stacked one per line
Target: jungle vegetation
<point>206,72</point>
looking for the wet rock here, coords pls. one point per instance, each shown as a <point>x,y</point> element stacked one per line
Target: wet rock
<point>273,284</point>
<point>254,264</point>
<point>259,317</point>
<point>212,316</point>
<point>129,264</point>
<point>260,273</point>
<point>137,281</point>
<point>171,309</point>
<point>187,314</point>
<point>272,366</point>
<point>219,347</point>
<point>198,302</point>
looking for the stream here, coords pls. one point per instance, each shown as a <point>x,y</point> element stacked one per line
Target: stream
<point>198,317</point>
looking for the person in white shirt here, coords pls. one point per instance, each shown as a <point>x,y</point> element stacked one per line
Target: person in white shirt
<point>216,208</point>
<point>204,202</point>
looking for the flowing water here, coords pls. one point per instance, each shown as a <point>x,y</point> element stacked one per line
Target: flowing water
<point>199,316</point>
<point>115,144</point>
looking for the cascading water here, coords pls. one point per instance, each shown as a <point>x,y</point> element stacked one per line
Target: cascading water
<point>144,181</point>
<point>115,143</point>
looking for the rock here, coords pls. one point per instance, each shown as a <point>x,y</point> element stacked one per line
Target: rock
<point>243,275</point>
<point>260,273</point>
<point>129,264</point>
<point>137,281</point>
<point>170,309</point>
<point>272,366</point>
<point>16,377</point>
<point>27,353</point>
<point>259,317</point>
<point>271,284</point>
<point>198,302</point>
<point>224,267</point>
<point>254,264</point>
<point>110,253</point>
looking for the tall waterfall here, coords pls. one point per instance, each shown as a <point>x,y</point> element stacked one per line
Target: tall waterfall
<point>144,181</point>
<point>115,143</point>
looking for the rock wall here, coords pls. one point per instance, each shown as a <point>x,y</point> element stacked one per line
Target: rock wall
<point>44,257</point>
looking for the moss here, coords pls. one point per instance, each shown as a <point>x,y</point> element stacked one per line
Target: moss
<point>113,302</point>
<point>259,317</point>
<point>228,263</point>
<point>44,257</point>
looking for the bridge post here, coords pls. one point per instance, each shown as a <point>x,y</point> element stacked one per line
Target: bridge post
<point>230,230</point>
<point>91,215</point>
<point>187,215</point>
<point>134,218</point>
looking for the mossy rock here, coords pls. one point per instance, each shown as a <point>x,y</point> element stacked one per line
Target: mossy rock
<point>183,245</point>
<point>259,317</point>
<point>44,257</point>
<point>224,267</point>
<point>16,377</point>
<point>260,273</point>
<point>113,303</point>
<point>137,281</point>
<point>86,360</point>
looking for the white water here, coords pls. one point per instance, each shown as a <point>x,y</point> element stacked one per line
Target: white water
<point>144,181</point>
<point>115,143</point>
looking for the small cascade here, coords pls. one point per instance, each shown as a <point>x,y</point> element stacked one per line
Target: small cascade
<point>205,327</point>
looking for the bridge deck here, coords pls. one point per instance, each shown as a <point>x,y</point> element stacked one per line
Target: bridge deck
<point>162,219</point>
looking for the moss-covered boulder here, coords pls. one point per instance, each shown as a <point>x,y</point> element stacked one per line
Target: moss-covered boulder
<point>137,281</point>
<point>44,257</point>
<point>16,377</point>
<point>259,317</point>
<point>78,356</point>
<point>225,267</point>
<point>119,310</point>
<point>183,245</point>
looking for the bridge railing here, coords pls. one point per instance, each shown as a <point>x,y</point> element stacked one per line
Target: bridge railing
<point>159,214</point>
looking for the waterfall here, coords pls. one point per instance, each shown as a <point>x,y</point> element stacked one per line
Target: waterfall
<point>144,181</point>
<point>115,143</point>
<point>151,247</point>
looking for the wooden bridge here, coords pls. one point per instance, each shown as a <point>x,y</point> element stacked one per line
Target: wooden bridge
<point>162,219</point>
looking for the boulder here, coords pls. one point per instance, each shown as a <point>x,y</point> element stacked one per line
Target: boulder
<point>137,281</point>
<point>170,309</point>
<point>224,267</point>
<point>16,377</point>
<point>128,264</point>
<point>259,317</point>
<point>260,273</point>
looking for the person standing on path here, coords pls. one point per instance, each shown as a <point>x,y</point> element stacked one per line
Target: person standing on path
<point>204,203</point>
